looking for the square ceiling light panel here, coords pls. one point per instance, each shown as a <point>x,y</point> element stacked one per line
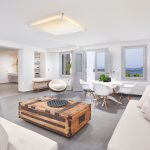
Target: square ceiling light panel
<point>58,25</point>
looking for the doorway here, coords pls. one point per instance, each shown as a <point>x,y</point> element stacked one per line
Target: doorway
<point>8,71</point>
<point>97,63</point>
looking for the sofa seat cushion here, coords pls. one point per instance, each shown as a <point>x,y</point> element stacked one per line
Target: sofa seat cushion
<point>3,138</point>
<point>23,139</point>
<point>132,131</point>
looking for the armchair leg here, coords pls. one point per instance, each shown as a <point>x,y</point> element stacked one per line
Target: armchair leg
<point>129,97</point>
<point>105,103</point>
<point>120,98</point>
<point>92,93</point>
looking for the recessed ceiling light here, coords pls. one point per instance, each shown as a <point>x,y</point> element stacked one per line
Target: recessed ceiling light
<point>58,25</point>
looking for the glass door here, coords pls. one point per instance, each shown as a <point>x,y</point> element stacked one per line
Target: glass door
<point>100,63</point>
<point>97,62</point>
<point>78,70</point>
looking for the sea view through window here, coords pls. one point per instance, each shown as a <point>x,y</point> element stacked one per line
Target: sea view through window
<point>134,62</point>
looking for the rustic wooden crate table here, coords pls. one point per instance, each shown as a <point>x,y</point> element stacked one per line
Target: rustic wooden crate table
<point>66,120</point>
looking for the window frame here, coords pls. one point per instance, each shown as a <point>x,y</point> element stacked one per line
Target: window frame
<point>60,64</point>
<point>144,78</point>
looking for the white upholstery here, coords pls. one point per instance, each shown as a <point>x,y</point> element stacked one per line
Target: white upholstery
<point>57,85</point>
<point>139,88</point>
<point>85,85</point>
<point>102,90</point>
<point>132,131</point>
<point>126,88</point>
<point>147,114</point>
<point>146,110</point>
<point>68,82</point>
<point>146,107</point>
<point>3,138</point>
<point>24,139</point>
<point>144,96</point>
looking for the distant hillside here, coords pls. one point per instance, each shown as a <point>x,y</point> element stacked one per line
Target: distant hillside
<point>134,71</point>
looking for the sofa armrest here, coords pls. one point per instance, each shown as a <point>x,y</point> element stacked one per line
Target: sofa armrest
<point>21,138</point>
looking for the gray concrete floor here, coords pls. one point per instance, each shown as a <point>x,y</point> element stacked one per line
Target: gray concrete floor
<point>8,90</point>
<point>94,136</point>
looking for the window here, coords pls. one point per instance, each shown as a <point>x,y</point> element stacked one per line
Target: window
<point>66,64</point>
<point>100,61</point>
<point>134,62</point>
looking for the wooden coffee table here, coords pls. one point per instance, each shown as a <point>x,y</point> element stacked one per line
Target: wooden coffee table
<point>66,120</point>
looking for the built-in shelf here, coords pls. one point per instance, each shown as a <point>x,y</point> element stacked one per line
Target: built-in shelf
<point>37,63</point>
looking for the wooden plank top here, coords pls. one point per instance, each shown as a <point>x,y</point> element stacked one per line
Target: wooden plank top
<point>70,110</point>
<point>41,81</point>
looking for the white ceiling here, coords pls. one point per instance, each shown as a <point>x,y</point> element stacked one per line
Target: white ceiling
<point>105,20</point>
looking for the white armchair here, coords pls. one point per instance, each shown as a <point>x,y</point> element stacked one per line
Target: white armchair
<point>68,82</point>
<point>57,86</point>
<point>103,92</point>
<point>87,88</point>
<point>126,89</point>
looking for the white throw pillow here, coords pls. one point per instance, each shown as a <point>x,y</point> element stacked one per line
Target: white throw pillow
<point>3,138</point>
<point>144,96</point>
<point>146,110</point>
<point>146,104</point>
<point>145,107</point>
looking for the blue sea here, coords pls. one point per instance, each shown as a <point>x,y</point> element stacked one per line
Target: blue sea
<point>133,71</point>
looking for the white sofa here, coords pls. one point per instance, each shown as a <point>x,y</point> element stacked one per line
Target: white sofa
<point>132,131</point>
<point>139,88</point>
<point>20,138</point>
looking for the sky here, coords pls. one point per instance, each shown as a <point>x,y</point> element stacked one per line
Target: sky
<point>101,60</point>
<point>134,57</point>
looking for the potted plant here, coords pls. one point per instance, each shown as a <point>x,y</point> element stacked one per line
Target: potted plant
<point>104,78</point>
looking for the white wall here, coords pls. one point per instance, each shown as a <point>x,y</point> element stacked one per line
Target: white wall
<point>25,63</point>
<point>53,65</point>
<point>115,55</point>
<point>8,63</point>
<point>26,60</point>
<point>43,62</point>
<point>25,69</point>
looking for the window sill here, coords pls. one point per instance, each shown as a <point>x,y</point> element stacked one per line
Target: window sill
<point>134,79</point>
